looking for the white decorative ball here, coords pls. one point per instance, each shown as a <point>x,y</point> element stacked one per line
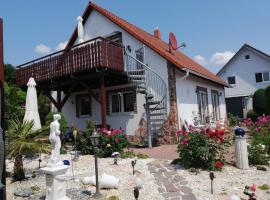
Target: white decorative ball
<point>86,180</point>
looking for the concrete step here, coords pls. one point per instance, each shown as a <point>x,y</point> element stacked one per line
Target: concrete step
<point>153,102</point>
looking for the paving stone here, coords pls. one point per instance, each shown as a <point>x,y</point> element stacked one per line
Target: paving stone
<point>178,178</point>
<point>189,197</point>
<point>23,192</point>
<point>172,173</point>
<point>183,183</point>
<point>175,198</point>
<point>185,189</point>
<point>171,194</point>
<point>162,170</point>
<point>161,190</point>
<point>170,187</point>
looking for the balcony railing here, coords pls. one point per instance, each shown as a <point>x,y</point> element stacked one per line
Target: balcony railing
<point>98,52</point>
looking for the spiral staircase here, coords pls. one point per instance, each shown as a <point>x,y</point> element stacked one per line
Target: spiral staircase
<point>148,82</point>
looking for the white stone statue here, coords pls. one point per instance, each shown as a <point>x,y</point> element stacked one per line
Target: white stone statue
<point>55,139</point>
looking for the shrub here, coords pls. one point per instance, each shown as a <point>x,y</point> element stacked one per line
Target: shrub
<point>252,115</point>
<point>257,155</point>
<point>267,99</point>
<point>202,148</point>
<point>62,121</point>
<point>233,120</point>
<point>83,138</point>
<point>112,140</point>
<point>259,102</point>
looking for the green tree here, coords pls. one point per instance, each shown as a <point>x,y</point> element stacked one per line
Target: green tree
<point>22,140</point>
<point>267,99</point>
<point>259,101</point>
<point>10,74</point>
<point>44,107</point>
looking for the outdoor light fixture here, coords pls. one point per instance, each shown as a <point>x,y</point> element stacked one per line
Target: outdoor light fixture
<point>212,176</point>
<point>133,163</point>
<point>136,193</point>
<point>95,141</point>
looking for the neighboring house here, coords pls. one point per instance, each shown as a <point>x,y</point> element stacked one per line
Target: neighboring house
<point>122,76</point>
<point>247,71</point>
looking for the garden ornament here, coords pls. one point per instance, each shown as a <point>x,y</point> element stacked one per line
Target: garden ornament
<point>212,176</point>
<point>66,162</point>
<point>239,132</point>
<point>55,139</point>
<point>133,163</point>
<point>115,155</point>
<point>250,192</point>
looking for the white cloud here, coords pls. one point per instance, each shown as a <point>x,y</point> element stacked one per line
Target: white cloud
<point>220,58</point>
<point>200,59</point>
<point>42,49</point>
<point>61,46</point>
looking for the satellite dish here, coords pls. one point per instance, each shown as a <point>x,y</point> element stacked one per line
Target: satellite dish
<point>172,41</point>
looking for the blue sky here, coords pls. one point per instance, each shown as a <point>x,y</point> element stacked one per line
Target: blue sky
<point>213,30</point>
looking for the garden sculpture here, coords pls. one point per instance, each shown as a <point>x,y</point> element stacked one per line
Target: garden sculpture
<point>115,155</point>
<point>55,139</point>
<point>250,192</point>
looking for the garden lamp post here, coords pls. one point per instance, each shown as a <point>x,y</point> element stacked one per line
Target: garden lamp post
<point>95,141</point>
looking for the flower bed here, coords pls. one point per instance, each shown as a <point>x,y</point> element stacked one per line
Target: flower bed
<point>202,148</point>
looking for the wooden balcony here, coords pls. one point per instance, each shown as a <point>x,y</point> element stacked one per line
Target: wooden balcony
<point>85,57</point>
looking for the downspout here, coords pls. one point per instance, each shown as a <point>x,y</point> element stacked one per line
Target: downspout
<point>181,79</point>
<point>186,75</point>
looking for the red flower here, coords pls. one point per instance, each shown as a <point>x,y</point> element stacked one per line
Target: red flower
<point>222,139</point>
<point>117,140</point>
<point>218,164</point>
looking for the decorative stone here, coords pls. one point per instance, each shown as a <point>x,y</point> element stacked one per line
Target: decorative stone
<point>189,197</point>
<point>185,189</point>
<point>88,180</point>
<point>161,190</point>
<point>241,152</point>
<point>23,192</point>
<point>234,197</point>
<point>262,168</point>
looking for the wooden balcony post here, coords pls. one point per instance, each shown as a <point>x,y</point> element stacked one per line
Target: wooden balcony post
<point>103,102</point>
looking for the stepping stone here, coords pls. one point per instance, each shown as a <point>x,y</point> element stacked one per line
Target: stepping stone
<point>161,190</point>
<point>189,197</point>
<point>175,198</point>
<point>23,192</point>
<point>185,189</point>
<point>171,194</point>
<point>170,187</point>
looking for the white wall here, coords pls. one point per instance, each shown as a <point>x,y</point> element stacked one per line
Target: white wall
<point>244,71</point>
<point>187,96</point>
<point>98,25</point>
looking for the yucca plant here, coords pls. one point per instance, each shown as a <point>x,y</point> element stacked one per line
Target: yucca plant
<point>22,140</point>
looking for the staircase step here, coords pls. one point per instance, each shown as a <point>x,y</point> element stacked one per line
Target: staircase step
<point>141,91</point>
<point>137,76</point>
<point>156,114</point>
<point>156,108</point>
<point>149,96</point>
<point>153,102</point>
<point>137,81</point>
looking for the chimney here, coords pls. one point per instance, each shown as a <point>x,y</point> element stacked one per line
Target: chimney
<point>157,33</point>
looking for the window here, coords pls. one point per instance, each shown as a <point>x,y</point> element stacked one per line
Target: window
<point>140,57</point>
<point>122,102</point>
<point>83,105</point>
<point>262,77</point>
<point>231,80</point>
<point>202,103</point>
<point>247,57</point>
<point>215,104</point>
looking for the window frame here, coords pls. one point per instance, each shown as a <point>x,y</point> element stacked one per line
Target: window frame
<point>198,91</point>
<point>122,106</point>
<point>262,76</point>
<point>215,116</point>
<point>229,81</point>
<point>78,97</point>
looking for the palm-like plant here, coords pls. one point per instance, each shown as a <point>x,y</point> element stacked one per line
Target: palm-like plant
<point>22,140</point>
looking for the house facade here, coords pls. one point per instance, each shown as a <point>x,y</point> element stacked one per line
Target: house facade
<point>135,80</point>
<point>247,71</point>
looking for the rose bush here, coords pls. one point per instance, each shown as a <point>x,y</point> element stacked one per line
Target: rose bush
<point>110,141</point>
<point>259,149</point>
<point>202,148</point>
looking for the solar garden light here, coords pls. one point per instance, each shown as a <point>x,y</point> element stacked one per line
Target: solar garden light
<point>136,193</point>
<point>95,141</point>
<point>212,176</point>
<point>115,155</point>
<point>133,163</point>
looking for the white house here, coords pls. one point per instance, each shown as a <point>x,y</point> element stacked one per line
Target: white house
<point>247,71</point>
<point>123,76</point>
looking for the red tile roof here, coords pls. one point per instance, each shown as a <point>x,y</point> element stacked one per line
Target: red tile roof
<point>162,48</point>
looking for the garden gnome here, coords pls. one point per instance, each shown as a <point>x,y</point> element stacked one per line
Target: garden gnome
<point>55,139</point>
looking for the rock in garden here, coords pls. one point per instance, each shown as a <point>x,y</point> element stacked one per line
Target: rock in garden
<point>234,197</point>
<point>23,192</point>
<point>88,180</point>
<point>262,168</point>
